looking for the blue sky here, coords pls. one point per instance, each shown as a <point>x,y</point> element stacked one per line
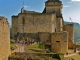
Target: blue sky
<point>71,8</point>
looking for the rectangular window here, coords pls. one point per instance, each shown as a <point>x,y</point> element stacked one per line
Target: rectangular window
<point>65,41</point>
<point>57,41</point>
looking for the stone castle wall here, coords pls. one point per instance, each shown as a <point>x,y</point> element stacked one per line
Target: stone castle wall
<point>59,41</point>
<point>70,29</point>
<point>14,25</point>
<point>4,39</point>
<point>59,25</point>
<point>44,37</point>
<point>53,6</point>
<point>33,23</point>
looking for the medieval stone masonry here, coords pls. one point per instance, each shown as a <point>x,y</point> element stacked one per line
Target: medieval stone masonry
<point>4,38</point>
<point>47,27</point>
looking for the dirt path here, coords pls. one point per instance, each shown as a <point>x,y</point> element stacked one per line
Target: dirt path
<point>69,55</point>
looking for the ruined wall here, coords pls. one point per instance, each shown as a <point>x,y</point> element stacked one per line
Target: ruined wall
<point>70,29</point>
<point>59,42</point>
<point>4,39</point>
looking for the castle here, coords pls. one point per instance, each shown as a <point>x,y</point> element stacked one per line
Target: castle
<point>47,27</point>
<point>4,38</point>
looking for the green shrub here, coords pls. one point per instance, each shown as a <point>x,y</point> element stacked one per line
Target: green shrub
<point>41,46</point>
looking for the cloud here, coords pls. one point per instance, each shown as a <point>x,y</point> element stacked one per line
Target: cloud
<point>69,2</point>
<point>75,3</point>
<point>27,6</point>
<point>66,6</point>
<point>75,0</point>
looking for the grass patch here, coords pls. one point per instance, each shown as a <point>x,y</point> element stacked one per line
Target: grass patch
<point>70,51</point>
<point>12,43</point>
<point>75,57</point>
<point>30,48</point>
<point>33,46</point>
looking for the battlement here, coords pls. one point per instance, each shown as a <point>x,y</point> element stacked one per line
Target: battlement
<point>53,3</point>
<point>53,6</point>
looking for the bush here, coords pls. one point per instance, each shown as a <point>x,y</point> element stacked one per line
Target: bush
<point>41,46</point>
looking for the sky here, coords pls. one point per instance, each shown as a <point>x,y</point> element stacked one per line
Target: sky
<point>8,8</point>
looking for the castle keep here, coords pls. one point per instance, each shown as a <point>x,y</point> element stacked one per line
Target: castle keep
<point>47,27</point>
<point>4,38</point>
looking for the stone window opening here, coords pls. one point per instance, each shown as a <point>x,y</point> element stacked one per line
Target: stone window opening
<point>65,41</point>
<point>23,22</point>
<point>58,41</point>
<point>55,29</point>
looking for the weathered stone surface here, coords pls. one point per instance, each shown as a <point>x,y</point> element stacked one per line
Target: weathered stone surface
<point>70,29</point>
<point>4,39</point>
<point>59,42</point>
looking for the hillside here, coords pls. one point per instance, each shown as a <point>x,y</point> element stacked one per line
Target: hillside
<point>76,31</point>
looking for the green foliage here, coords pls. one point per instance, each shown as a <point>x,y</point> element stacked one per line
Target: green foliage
<point>34,46</point>
<point>61,56</point>
<point>41,46</point>
<point>76,33</point>
<point>12,43</point>
<point>14,56</point>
